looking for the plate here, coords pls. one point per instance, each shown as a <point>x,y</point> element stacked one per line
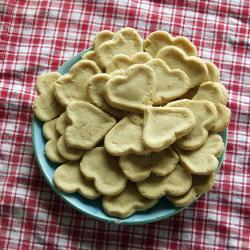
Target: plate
<point>163,210</point>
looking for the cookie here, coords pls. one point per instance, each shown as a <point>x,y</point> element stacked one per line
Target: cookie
<point>103,169</point>
<point>86,131</point>
<point>189,94</point>
<point>132,91</point>
<point>159,39</point>
<point>90,55</point>
<point>126,41</point>
<point>201,184</point>
<point>170,84</point>
<point>95,90</point>
<point>162,126</point>
<point>61,123</point>
<point>102,37</point>
<point>213,72</point>
<point>193,66</point>
<point>205,115</point>
<point>68,179</point>
<point>72,86</point>
<point>50,133</point>
<point>176,183</point>
<point>70,154</point>
<point>46,106</point>
<point>125,137</point>
<point>127,202</point>
<point>122,62</point>
<point>202,161</point>
<point>140,167</point>
<point>217,94</point>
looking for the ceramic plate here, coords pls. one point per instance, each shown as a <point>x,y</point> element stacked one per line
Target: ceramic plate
<point>163,210</point>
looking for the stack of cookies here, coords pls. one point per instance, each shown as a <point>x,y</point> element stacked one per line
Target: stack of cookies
<point>134,121</point>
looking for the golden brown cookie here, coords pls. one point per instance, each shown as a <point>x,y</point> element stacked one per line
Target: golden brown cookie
<point>126,41</point>
<point>160,39</point>
<point>126,137</point>
<point>205,115</point>
<point>139,167</point>
<point>46,106</point>
<point>103,169</point>
<point>170,84</point>
<point>162,126</point>
<point>68,179</point>
<point>61,123</point>
<point>127,203</point>
<point>193,66</point>
<point>72,86</point>
<point>86,131</point>
<point>202,161</point>
<point>95,90</point>
<point>176,183</point>
<point>213,72</point>
<point>132,91</point>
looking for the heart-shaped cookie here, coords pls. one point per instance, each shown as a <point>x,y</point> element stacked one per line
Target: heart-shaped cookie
<point>61,123</point>
<point>159,39</point>
<point>132,91</point>
<point>126,137</point>
<point>194,67</point>
<point>127,202</point>
<point>140,167</point>
<point>213,72</point>
<point>88,125</point>
<point>68,178</point>
<point>170,84</point>
<point>162,126</point>
<point>176,183</point>
<point>126,41</point>
<point>122,62</point>
<point>205,115</point>
<point>46,106</point>
<point>202,161</point>
<point>103,169</point>
<point>72,86</point>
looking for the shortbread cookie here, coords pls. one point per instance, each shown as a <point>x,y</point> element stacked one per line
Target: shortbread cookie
<point>159,39</point>
<point>97,165</point>
<point>61,123</point>
<point>50,133</point>
<point>89,125</point>
<point>46,106</point>
<point>70,154</point>
<point>90,55</point>
<point>122,62</point>
<point>189,94</point>
<point>95,89</point>
<point>205,115</point>
<point>201,184</point>
<point>126,41</point>
<point>72,86</point>
<point>213,72</point>
<point>170,84</point>
<point>162,126</point>
<point>202,161</point>
<point>132,91</point>
<point>68,178</point>
<point>216,93</point>
<point>126,137</point>
<point>176,183</point>
<point>127,203</point>
<point>194,67</point>
<point>49,129</point>
<point>102,37</point>
<point>139,167</point>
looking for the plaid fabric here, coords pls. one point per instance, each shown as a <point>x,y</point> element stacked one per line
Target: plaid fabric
<point>38,36</point>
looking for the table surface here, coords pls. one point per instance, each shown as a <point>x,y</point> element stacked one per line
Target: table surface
<point>39,36</point>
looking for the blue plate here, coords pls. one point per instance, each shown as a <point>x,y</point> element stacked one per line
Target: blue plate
<point>163,210</point>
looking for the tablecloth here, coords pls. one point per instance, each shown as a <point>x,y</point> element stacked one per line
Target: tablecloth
<point>39,36</point>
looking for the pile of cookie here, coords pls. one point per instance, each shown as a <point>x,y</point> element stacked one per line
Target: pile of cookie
<point>134,121</point>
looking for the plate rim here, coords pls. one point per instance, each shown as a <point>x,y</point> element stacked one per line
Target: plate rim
<point>112,220</point>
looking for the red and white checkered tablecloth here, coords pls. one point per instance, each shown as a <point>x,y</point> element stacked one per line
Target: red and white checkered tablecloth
<point>38,36</point>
